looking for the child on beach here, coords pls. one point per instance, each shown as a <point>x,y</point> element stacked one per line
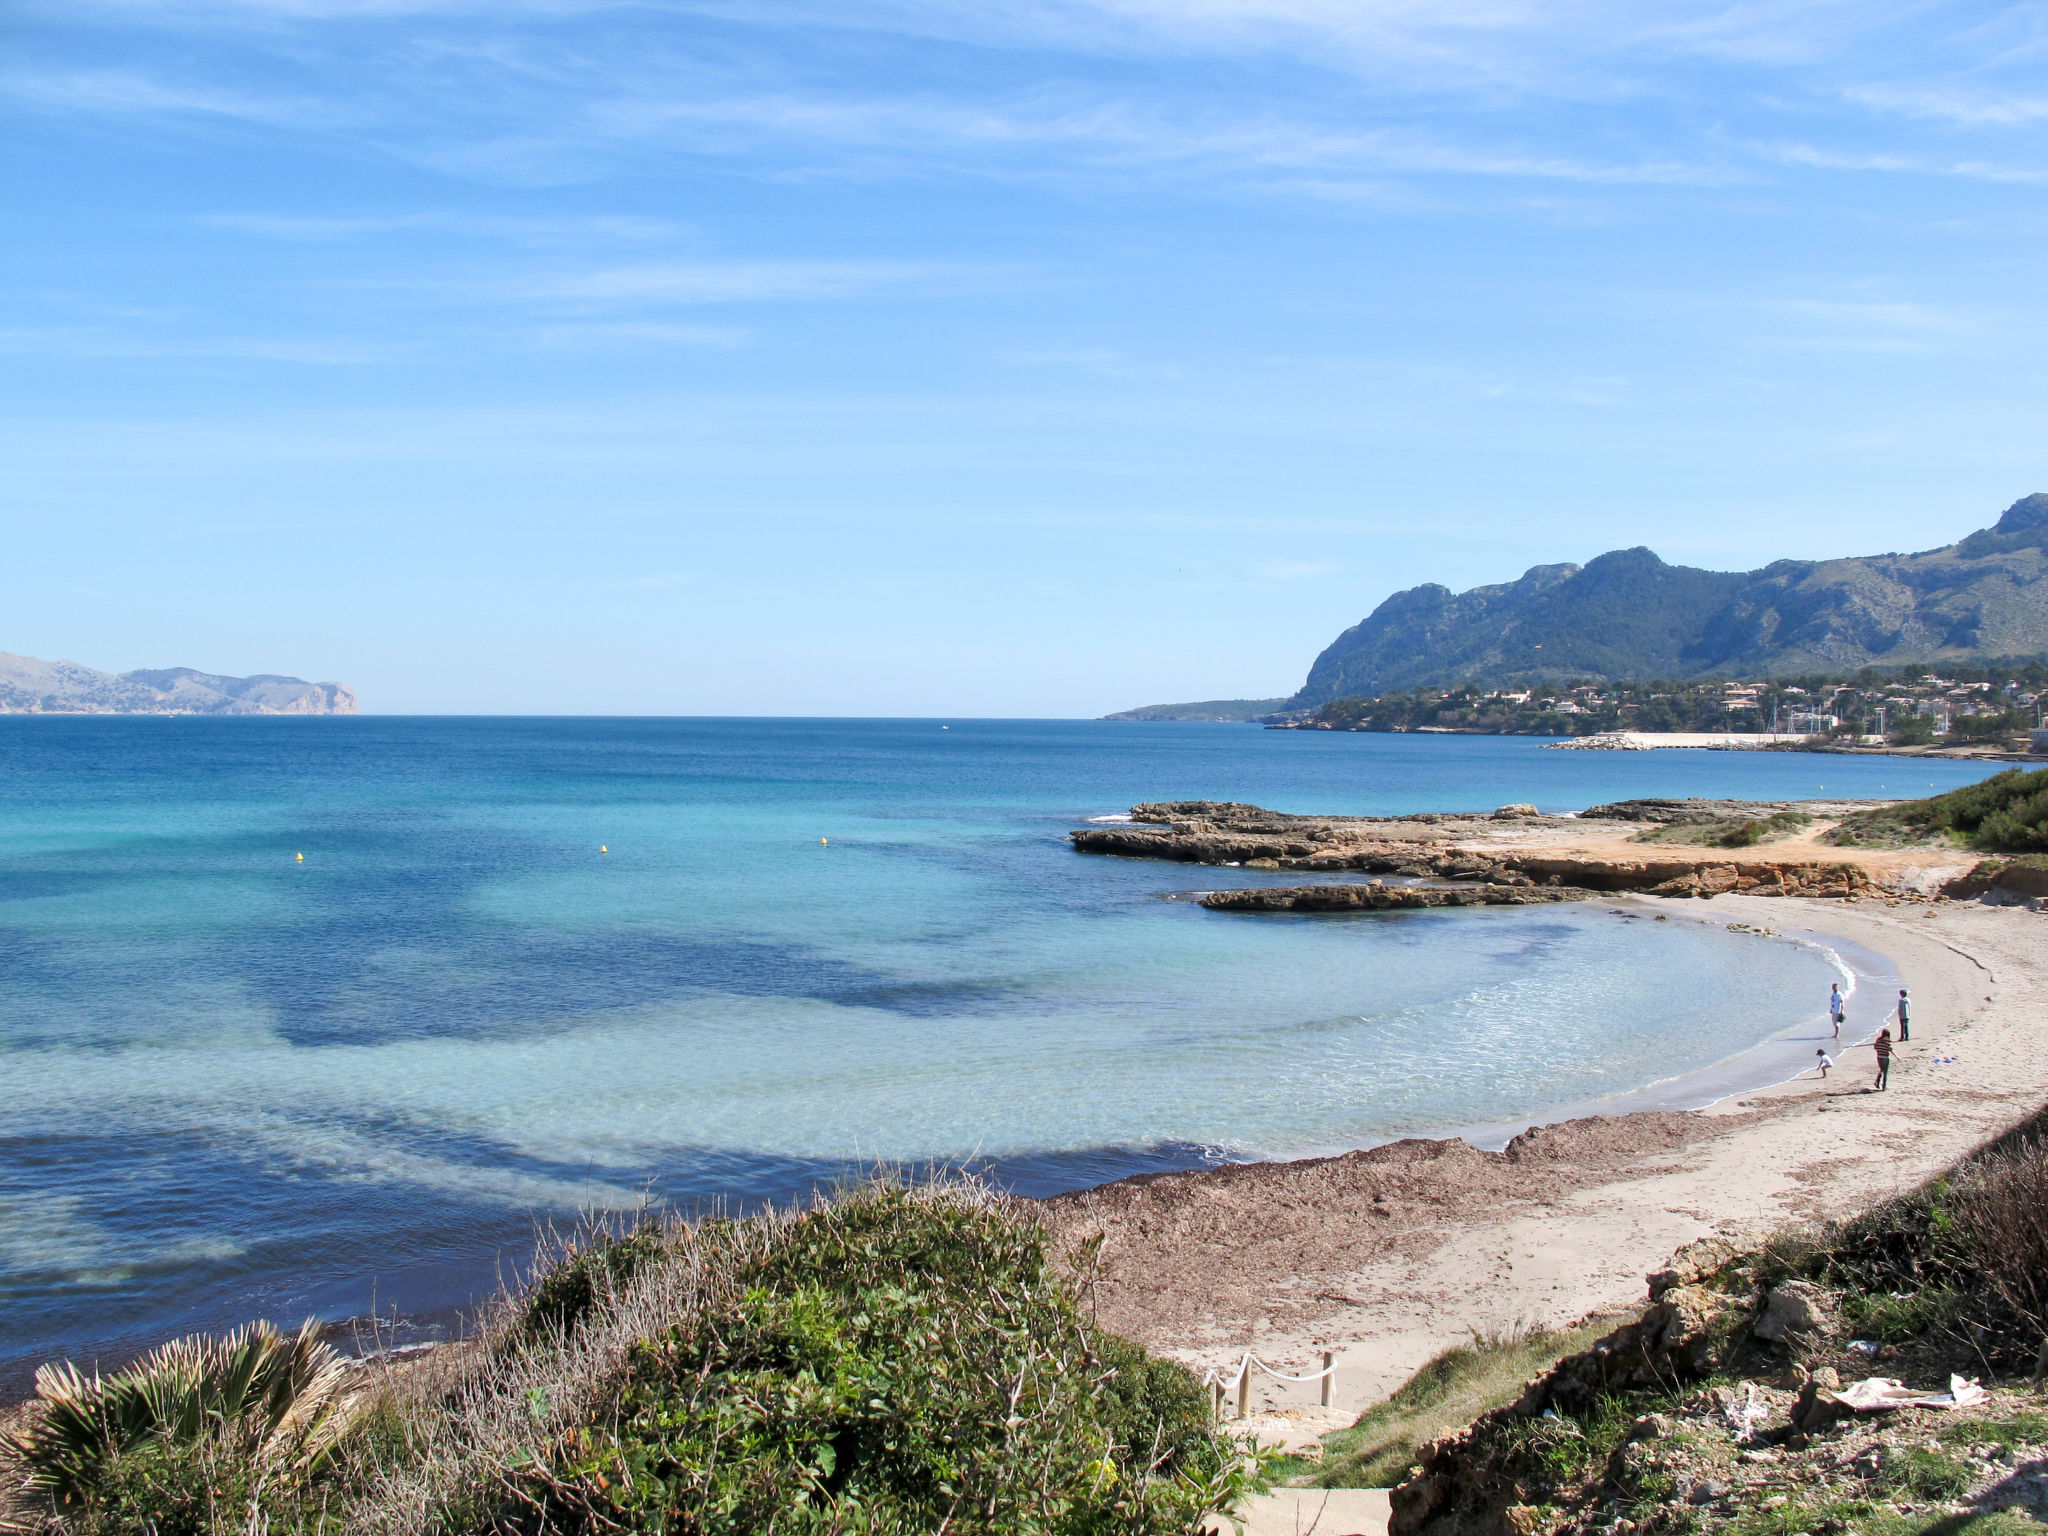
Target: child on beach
<point>1905,1025</point>
<point>1826,1060</point>
<point>1883,1046</point>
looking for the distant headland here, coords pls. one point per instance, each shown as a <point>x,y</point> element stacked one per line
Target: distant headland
<point>29,686</point>
<point>1628,617</point>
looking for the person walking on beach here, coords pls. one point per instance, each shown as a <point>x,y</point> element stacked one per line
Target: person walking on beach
<point>1883,1046</point>
<point>1905,1024</point>
<point>1836,1007</point>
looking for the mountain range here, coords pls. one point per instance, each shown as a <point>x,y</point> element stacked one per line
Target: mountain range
<point>32,687</point>
<point>1627,615</point>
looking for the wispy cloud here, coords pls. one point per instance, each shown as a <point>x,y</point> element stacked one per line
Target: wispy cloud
<point>731,282</point>
<point>1095,130</point>
<point>1976,107</point>
<point>1893,163</point>
<point>599,229</point>
<point>81,343</point>
<point>635,333</point>
<point>129,93</point>
<point>1873,326</point>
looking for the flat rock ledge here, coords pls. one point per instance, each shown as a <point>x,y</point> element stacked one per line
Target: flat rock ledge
<point>1426,847</point>
<point>1378,896</point>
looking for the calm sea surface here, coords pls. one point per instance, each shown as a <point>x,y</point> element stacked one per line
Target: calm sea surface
<point>236,1083</point>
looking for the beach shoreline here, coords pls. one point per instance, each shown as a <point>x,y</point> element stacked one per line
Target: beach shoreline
<point>1387,1257</point>
<point>1389,1254</point>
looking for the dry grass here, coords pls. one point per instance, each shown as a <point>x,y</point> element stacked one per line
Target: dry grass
<point>1999,1205</point>
<point>1445,1395</point>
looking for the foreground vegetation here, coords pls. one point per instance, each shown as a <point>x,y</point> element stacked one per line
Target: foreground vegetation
<point>894,1360</point>
<point>1729,832</point>
<point>1694,1424</point>
<point>1445,1395</point>
<point>2006,813</point>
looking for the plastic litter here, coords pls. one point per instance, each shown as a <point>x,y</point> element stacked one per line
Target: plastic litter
<point>1745,1419</point>
<point>1877,1394</point>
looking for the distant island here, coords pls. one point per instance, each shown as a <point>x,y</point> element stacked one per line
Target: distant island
<point>1626,616</point>
<point>29,686</point>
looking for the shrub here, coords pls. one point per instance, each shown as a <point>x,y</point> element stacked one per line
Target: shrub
<point>2007,812</point>
<point>1967,1252</point>
<point>2000,1215</point>
<point>888,1363</point>
<point>254,1396</point>
<point>1726,832</point>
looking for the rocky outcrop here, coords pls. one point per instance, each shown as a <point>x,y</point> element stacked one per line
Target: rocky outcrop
<point>1227,833</point>
<point>1378,896</point>
<point>2001,880</point>
<point>1697,877</point>
<point>1665,813</point>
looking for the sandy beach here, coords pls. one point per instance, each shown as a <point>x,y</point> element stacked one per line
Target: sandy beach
<point>1388,1256</point>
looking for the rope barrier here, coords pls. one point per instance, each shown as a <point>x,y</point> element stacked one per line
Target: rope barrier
<point>1214,1379</point>
<point>1252,1362</point>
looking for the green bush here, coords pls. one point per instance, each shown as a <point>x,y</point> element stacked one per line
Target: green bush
<point>1738,832</point>
<point>892,1364</point>
<point>2006,813</point>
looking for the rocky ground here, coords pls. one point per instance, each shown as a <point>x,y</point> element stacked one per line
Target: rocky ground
<point>1727,1407</point>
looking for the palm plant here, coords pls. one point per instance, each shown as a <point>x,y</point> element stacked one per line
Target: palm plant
<point>272,1400</point>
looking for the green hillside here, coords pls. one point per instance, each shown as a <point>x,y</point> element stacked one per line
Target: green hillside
<point>1628,615</point>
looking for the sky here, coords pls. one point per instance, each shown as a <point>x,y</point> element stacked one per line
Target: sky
<point>976,357</point>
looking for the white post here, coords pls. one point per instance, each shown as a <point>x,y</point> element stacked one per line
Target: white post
<point>1329,1375</point>
<point>1244,1388</point>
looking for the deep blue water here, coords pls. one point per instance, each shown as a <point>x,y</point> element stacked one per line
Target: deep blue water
<point>239,1083</point>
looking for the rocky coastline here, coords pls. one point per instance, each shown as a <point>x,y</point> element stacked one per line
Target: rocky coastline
<point>1440,847</point>
<point>1378,896</point>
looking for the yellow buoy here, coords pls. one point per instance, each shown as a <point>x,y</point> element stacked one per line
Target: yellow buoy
<point>601,848</point>
<point>300,857</point>
<point>824,842</point>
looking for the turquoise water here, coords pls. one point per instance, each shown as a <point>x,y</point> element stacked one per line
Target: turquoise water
<point>239,1083</point>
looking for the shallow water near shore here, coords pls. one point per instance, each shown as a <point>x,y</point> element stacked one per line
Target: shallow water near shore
<point>241,1084</point>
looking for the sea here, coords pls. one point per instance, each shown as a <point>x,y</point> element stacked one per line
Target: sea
<point>329,1017</point>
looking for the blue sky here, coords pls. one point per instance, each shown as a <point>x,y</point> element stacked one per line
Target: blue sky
<point>1031,357</point>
